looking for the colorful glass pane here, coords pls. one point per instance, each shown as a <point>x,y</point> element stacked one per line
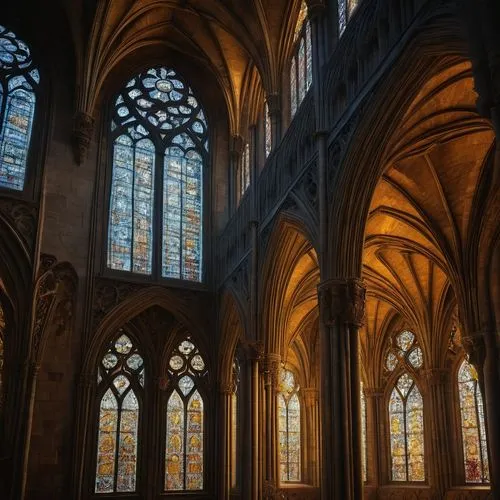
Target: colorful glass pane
<point>194,454</point>
<point>174,456</point>
<point>289,428</point>
<point>185,420</point>
<point>364,456</point>
<point>106,444</point>
<point>244,175</point>
<point>309,69</point>
<point>157,117</point>
<point>405,340</point>
<point>119,418</point>
<point>267,131</point>
<point>416,357</point>
<point>351,7</point>
<point>293,87</point>
<point>342,13</point>
<point>301,65</point>
<point>473,425</point>
<point>406,420</point>
<point>391,361</point>
<point>300,20</point>
<point>18,84</point>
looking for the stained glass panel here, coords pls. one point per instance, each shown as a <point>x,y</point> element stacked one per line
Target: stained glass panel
<point>194,455</point>
<point>301,64</point>
<point>293,87</point>
<point>289,428</point>
<point>184,451</point>
<point>416,357</point>
<point>157,121</point>
<point>342,12</point>
<point>267,131</point>
<point>405,340</point>
<point>18,84</point>
<point>351,7</point>
<point>106,444</point>
<point>364,455</point>
<point>309,70</point>
<point>473,425</point>
<point>118,440</point>
<point>406,420</point>
<point>391,361</point>
<point>300,20</point>
<point>174,456</point>
<point>244,176</point>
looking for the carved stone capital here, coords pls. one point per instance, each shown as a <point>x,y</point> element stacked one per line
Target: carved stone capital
<point>342,301</point>
<point>254,350</point>
<point>274,104</point>
<point>475,346</point>
<point>83,128</point>
<point>271,369</point>
<point>226,388</point>
<point>436,376</point>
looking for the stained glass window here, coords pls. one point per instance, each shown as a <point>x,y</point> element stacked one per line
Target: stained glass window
<point>267,131</point>
<point>342,13</point>
<point>19,81</point>
<point>244,171</point>
<point>473,425</point>
<point>301,62</point>
<point>185,420</point>
<point>160,141</point>
<point>289,428</point>
<point>234,424</point>
<point>364,455</point>
<point>404,349</point>
<point>406,420</point>
<point>120,380</point>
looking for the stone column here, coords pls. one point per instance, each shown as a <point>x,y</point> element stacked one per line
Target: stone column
<point>441,467</point>
<point>375,412</point>
<point>271,367</point>
<point>226,392</point>
<point>235,152</point>
<point>311,441</point>
<point>342,303</point>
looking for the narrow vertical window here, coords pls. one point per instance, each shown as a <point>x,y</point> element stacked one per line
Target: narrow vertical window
<point>406,420</point>
<point>244,171</point>
<point>473,425</point>
<point>268,143</point>
<point>289,428</point>
<point>185,420</point>
<point>342,13</point>
<point>19,81</point>
<point>364,455</point>
<point>120,379</point>
<point>160,141</point>
<point>301,63</point>
<point>235,400</point>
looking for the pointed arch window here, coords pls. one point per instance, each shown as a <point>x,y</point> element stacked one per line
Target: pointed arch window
<point>235,411</point>
<point>473,425</point>
<point>404,351</point>
<point>185,420</point>
<point>268,138</point>
<point>301,62</point>
<point>159,150</point>
<point>19,82</point>
<point>289,428</point>
<point>406,425</point>
<point>345,10</point>
<point>244,171</point>
<point>120,384</point>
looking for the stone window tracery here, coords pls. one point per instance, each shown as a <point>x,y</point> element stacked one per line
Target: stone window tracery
<point>160,146</point>
<point>185,420</point>
<point>19,82</point>
<point>289,428</point>
<point>473,425</point>
<point>120,384</point>
<point>301,62</point>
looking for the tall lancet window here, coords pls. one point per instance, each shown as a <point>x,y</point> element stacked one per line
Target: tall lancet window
<point>235,413</point>
<point>364,455</point>
<point>159,149</point>
<point>301,63</point>
<point>289,428</point>
<point>268,133</point>
<point>185,420</point>
<point>406,420</point>
<point>473,425</point>
<point>345,11</point>
<point>19,80</point>
<point>243,177</point>
<point>120,385</point>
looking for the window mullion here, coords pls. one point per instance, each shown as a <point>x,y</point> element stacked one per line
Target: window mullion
<point>133,210</point>
<point>159,187</point>
<point>183,192</point>
<point>117,444</point>
<point>184,474</point>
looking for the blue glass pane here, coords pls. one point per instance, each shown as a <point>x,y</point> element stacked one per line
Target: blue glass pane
<point>309,71</point>
<point>293,87</point>
<point>17,108</point>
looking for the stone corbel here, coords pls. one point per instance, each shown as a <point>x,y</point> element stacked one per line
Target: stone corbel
<point>83,128</point>
<point>271,370</point>
<point>475,346</point>
<point>274,104</point>
<point>342,301</point>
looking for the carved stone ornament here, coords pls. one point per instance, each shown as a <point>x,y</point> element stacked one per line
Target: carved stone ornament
<point>255,350</point>
<point>23,217</point>
<point>271,369</point>
<point>342,301</point>
<point>436,376</point>
<point>475,347</point>
<point>83,128</point>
